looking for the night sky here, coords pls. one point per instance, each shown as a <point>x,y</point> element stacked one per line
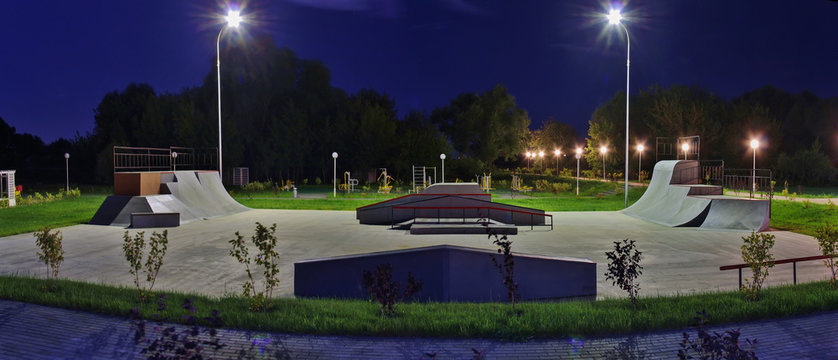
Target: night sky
<point>59,58</point>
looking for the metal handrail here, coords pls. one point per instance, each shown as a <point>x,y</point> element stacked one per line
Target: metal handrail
<point>793,261</point>
<point>464,208</point>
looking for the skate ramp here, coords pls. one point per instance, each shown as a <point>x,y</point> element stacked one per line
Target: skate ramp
<point>669,201</point>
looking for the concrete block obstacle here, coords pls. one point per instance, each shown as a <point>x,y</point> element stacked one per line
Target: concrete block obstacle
<point>449,273</point>
<point>675,198</point>
<point>193,195</point>
<point>448,201</point>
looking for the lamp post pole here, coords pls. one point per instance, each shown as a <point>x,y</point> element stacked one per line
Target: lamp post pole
<point>233,19</point>
<point>442,157</point>
<point>174,161</point>
<point>557,153</point>
<point>578,156</point>
<point>614,18</point>
<point>639,161</point>
<point>67,169</point>
<point>754,145</point>
<point>335,174</point>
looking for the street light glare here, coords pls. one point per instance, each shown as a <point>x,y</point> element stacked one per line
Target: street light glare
<point>603,149</point>
<point>233,18</point>
<point>640,148</point>
<point>754,144</point>
<point>614,17</point>
<point>557,152</point>
<point>578,151</point>
<point>541,153</point>
<point>685,146</point>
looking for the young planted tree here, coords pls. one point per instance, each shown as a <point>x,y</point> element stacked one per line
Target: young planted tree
<point>756,252</point>
<point>265,241</point>
<point>51,251</point>
<point>133,248</point>
<point>624,268</point>
<point>387,292</point>
<point>827,236</point>
<point>507,269</point>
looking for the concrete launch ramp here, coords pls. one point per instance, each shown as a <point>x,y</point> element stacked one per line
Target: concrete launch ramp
<point>674,198</point>
<point>193,195</point>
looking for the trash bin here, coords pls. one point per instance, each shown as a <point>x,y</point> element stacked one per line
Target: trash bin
<point>295,192</point>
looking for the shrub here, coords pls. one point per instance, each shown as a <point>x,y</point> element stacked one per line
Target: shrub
<point>265,241</point>
<point>51,251</point>
<point>507,269</point>
<point>387,292</point>
<point>561,187</point>
<point>624,268</point>
<point>542,185</point>
<point>756,252</point>
<point>566,172</point>
<point>827,236</point>
<point>715,346</point>
<point>133,248</point>
<point>173,344</point>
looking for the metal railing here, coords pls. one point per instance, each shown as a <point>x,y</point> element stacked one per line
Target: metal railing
<point>793,261</point>
<point>712,172</point>
<point>126,159</point>
<point>757,183</point>
<point>478,208</point>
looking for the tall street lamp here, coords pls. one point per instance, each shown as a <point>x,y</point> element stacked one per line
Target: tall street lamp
<point>442,157</point>
<point>541,156</point>
<point>639,161</point>
<point>335,175</point>
<point>557,152</point>
<point>603,150</point>
<point>754,145</point>
<point>528,155</point>
<point>578,156</point>
<point>233,19</point>
<point>174,160</point>
<point>615,18</point>
<point>685,147</point>
<point>67,169</point>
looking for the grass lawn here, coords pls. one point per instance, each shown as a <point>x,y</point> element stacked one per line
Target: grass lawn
<point>571,203</point>
<point>456,320</point>
<point>801,217</point>
<point>28,218</point>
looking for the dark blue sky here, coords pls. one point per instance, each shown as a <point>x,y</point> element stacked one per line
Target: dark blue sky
<point>59,58</point>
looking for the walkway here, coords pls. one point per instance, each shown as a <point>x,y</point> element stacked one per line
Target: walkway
<point>38,332</point>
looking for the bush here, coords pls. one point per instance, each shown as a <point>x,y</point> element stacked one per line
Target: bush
<point>507,269</point>
<point>387,292</point>
<point>806,167</point>
<point>265,241</point>
<point>624,268</point>
<point>713,346</point>
<point>827,236</point>
<point>133,249</point>
<point>756,252</point>
<point>51,252</point>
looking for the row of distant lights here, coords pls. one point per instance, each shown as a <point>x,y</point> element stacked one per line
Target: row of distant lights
<point>640,148</point>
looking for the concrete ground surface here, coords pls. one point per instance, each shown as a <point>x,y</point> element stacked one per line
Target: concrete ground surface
<point>37,332</point>
<point>675,260</point>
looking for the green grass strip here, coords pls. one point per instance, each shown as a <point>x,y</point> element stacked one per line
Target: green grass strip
<point>28,218</point>
<point>800,217</point>
<point>446,320</point>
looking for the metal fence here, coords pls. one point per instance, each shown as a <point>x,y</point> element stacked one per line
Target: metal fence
<point>757,183</point>
<point>129,159</point>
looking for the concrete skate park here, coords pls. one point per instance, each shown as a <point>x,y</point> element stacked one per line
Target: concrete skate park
<point>676,259</point>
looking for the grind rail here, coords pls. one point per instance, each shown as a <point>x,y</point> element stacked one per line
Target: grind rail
<point>793,261</point>
<point>478,208</point>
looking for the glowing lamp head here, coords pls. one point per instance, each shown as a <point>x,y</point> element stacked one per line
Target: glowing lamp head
<point>685,147</point>
<point>442,156</point>
<point>603,149</point>
<point>233,18</point>
<point>541,153</point>
<point>754,144</point>
<point>174,154</point>
<point>614,17</point>
<point>66,155</point>
<point>578,151</point>
<point>557,152</point>
<point>334,155</point>
<point>640,148</point>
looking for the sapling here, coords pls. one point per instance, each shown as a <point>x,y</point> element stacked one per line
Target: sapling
<point>133,248</point>
<point>51,251</point>
<point>624,268</point>
<point>756,252</point>
<point>265,241</point>
<point>387,292</point>
<point>507,269</point>
<point>827,236</point>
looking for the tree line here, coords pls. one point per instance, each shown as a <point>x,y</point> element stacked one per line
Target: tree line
<point>282,118</point>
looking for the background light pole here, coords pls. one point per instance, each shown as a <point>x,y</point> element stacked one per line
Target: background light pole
<point>442,157</point>
<point>528,159</point>
<point>174,160</point>
<point>685,147</point>
<point>602,151</point>
<point>541,156</point>
<point>754,145</point>
<point>233,19</point>
<point>335,175</point>
<point>639,161</point>
<point>67,169</point>
<point>615,18</point>
<point>557,152</point>
<point>578,156</point>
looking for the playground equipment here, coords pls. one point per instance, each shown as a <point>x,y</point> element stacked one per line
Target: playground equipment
<point>7,186</point>
<point>485,182</point>
<point>384,182</point>
<point>422,177</point>
<point>518,184</point>
<point>287,185</point>
<point>348,183</point>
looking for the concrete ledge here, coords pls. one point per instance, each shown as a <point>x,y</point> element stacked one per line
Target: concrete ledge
<point>449,273</point>
<point>154,220</point>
